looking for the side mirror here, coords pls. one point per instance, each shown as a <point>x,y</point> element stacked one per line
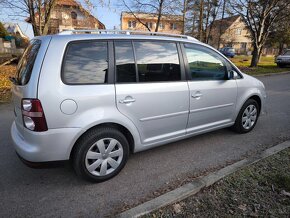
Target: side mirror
<point>232,75</point>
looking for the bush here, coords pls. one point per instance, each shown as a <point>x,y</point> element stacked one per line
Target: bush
<point>3,31</point>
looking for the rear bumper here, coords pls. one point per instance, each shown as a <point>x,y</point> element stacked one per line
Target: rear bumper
<point>51,145</point>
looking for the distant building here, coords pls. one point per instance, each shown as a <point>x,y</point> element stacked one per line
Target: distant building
<point>168,23</point>
<point>68,15</point>
<point>14,29</point>
<point>234,33</point>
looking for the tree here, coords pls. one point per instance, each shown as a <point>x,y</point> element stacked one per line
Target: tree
<point>3,31</point>
<point>202,13</point>
<point>280,36</point>
<point>158,7</point>
<point>38,11</point>
<point>260,17</point>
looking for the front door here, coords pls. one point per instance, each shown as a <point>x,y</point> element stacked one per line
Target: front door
<point>212,94</point>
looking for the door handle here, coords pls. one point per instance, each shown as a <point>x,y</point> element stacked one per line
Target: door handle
<point>197,95</point>
<point>127,101</point>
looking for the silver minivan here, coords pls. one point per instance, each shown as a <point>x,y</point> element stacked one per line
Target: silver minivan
<point>94,97</point>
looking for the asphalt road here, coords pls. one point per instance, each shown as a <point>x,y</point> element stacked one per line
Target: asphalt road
<point>26,192</point>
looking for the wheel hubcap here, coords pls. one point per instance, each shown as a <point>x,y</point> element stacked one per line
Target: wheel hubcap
<point>104,157</point>
<point>249,116</point>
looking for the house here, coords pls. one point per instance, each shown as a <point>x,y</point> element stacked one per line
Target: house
<point>68,15</point>
<point>14,29</point>
<point>168,23</point>
<point>234,33</point>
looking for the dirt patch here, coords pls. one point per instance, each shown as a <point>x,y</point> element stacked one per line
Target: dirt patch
<point>262,189</point>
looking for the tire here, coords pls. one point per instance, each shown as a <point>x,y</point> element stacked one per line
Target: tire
<point>280,65</point>
<point>245,123</point>
<point>100,154</point>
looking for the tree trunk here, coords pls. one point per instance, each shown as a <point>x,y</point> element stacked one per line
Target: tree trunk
<point>184,15</point>
<point>220,27</point>
<point>281,47</point>
<point>159,15</point>
<point>200,29</point>
<point>255,56</point>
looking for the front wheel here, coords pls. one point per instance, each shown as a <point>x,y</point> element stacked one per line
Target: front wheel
<point>100,154</point>
<point>247,117</point>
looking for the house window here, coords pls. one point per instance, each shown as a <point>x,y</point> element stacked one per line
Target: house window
<point>173,26</point>
<point>73,15</point>
<point>161,26</point>
<point>149,25</point>
<point>238,31</point>
<point>131,24</point>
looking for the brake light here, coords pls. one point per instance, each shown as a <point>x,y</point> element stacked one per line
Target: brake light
<point>33,115</point>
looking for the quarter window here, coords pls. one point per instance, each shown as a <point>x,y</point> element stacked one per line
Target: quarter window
<point>204,64</point>
<point>26,63</point>
<point>157,61</point>
<point>125,64</point>
<point>86,63</point>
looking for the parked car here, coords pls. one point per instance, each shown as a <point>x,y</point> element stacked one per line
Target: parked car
<point>96,98</point>
<point>284,59</point>
<point>228,51</point>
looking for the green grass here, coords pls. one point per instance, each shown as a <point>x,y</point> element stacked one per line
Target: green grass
<point>265,66</point>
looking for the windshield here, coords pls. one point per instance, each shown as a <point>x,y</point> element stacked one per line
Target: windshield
<point>231,50</point>
<point>287,52</point>
<point>25,65</point>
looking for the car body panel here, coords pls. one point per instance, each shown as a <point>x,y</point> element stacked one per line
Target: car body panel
<point>162,112</point>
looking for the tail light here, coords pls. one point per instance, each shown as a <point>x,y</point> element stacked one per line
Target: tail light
<point>33,115</point>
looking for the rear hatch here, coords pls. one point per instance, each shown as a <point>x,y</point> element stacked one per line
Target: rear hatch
<point>26,81</point>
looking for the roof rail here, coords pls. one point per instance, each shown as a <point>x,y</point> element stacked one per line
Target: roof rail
<point>125,32</point>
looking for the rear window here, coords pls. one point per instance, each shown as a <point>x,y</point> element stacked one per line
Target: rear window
<point>231,50</point>
<point>25,65</point>
<point>86,63</point>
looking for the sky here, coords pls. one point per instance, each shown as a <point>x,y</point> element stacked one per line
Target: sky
<point>110,16</point>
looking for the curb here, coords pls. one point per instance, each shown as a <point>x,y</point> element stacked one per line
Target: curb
<point>199,183</point>
<point>272,74</point>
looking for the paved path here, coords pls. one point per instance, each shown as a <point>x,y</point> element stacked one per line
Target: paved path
<point>57,191</point>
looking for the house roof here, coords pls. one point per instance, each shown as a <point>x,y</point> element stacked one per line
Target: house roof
<point>72,3</point>
<point>226,22</point>
<point>141,15</point>
<point>67,2</point>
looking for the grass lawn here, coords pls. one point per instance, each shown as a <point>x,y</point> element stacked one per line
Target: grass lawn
<point>5,84</point>
<point>266,65</point>
<point>260,190</point>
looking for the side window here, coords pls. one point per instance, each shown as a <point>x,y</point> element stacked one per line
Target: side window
<point>204,64</point>
<point>86,63</point>
<point>125,64</point>
<point>157,61</point>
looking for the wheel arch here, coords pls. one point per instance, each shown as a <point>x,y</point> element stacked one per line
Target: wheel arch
<point>117,126</point>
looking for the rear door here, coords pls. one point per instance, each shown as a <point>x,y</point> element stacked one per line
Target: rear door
<point>151,89</point>
<point>212,94</point>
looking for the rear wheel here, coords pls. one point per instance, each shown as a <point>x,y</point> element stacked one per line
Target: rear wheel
<point>100,154</point>
<point>247,117</point>
<point>280,65</point>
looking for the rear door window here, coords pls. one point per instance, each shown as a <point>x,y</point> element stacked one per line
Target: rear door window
<point>86,63</point>
<point>125,63</point>
<point>25,65</point>
<point>157,61</point>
